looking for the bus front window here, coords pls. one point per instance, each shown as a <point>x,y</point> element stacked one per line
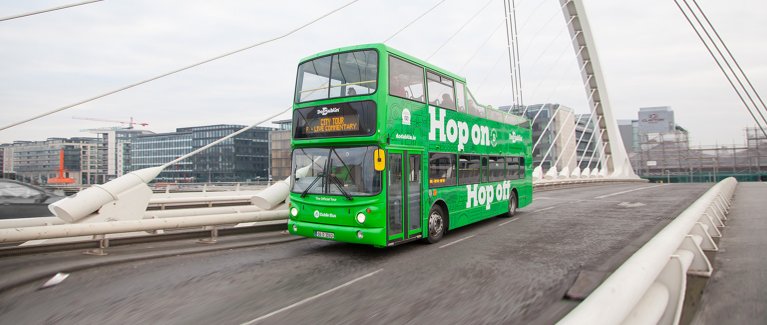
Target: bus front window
<point>338,75</point>
<point>336,171</point>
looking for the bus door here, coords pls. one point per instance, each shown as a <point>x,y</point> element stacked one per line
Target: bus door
<point>404,195</point>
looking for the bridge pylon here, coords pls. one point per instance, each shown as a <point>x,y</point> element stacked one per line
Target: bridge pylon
<point>616,159</point>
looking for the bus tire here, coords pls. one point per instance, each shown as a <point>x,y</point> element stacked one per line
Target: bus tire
<point>513,204</point>
<point>437,223</point>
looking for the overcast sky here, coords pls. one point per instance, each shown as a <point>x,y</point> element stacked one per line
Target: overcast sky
<point>649,55</point>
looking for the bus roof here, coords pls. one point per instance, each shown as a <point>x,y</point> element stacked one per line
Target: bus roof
<point>385,48</point>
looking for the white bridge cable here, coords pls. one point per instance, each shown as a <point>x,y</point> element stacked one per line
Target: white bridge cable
<point>548,21</point>
<point>588,143</point>
<point>599,163</point>
<point>224,138</point>
<point>553,41</point>
<point>553,141</point>
<point>482,46</point>
<point>466,23</point>
<point>719,64</point>
<point>488,72</point>
<point>727,49</point>
<point>586,126</point>
<point>567,142</point>
<point>48,10</point>
<point>553,116</point>
<point>549,72</point>
<point>514,56</point>
<point>560,80</point>
<point>414,20</point>
<point>555,64</point>
<point>180,69</point>
<point>509,42</point>
<point>512,44</point>
<point>515,41</point>
<point>593,152</point>
<point>724,58</point>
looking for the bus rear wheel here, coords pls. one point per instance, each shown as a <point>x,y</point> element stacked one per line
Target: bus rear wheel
<point>436,224</point>
<point>512,205</point>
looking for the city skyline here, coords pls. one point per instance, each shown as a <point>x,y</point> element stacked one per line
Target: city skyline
<point>58,58</point>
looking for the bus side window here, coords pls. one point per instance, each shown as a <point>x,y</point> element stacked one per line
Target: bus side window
<point>460,97</point>
<point>405,80</point>
<point>468,169</point>
<point>485,171</point>
<point>440,90</point>
<point>474,108</point>
<point>512,167</point>
<point>441,169</point>
<point>497,169</point>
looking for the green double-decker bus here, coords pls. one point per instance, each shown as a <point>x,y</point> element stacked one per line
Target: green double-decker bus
<point>388,149</point>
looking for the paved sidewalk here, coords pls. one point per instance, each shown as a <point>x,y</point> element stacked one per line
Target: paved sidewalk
<point>737,291</point>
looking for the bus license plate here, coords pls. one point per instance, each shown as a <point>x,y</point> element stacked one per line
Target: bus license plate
<point>322,234</point>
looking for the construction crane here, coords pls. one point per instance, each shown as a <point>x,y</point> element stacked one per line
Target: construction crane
<point>60,179</point>
<point>130,123</point>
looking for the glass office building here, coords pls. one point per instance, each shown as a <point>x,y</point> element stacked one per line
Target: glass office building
<point>242,158</point>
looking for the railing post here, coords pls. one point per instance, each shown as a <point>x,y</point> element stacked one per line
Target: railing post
<point>103,245</point>
<point>213,236</point>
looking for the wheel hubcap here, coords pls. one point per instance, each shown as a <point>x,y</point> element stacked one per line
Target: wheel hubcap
<point>435,224</point>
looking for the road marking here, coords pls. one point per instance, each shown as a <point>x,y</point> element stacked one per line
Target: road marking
<point>311,298</point>
<point>462,239</point>
<point>631,205</point>
<point>544,209</point>
<point>507,222</point>
<point>622,192</point>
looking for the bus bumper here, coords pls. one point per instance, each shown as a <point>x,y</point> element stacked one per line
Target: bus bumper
<point>370,236</point>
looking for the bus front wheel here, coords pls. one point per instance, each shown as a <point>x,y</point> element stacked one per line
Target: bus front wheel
<point>512,204</point>
<point>436,224</point>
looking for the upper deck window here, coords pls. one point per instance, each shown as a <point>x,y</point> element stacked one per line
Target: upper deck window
<point>338,75</point>
<point>440,91</point>
<point>405,80</point>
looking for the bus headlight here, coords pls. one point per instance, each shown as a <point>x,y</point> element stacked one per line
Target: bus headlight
<point>359,234</point>
<point>295,228</point>
<point>361,217</point>
<point>293,211</point>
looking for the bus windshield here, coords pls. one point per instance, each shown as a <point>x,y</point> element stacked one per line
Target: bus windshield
<point>338,75</point>
<point>335,171</point>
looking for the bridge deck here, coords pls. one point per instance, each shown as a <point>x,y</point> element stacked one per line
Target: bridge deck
<point>499,271</point>
<point>737,291</point>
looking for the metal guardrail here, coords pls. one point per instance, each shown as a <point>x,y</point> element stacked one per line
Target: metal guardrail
<point>114,227</point>
<point>570,182</point>
<point>649,288</point>
<point>157,218</point>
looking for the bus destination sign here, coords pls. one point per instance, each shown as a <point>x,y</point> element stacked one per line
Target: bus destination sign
<point>338,120</point>
<point>327,125</point>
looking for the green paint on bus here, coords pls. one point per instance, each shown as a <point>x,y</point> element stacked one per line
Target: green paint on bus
<point>388,148</point>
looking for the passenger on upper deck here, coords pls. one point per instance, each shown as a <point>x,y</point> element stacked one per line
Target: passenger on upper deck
<point>447,101</point>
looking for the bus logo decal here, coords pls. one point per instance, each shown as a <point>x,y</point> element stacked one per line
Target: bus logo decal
<point>405,116</point>
<point>318,214</point>
<point>477,195</point>
<point>452,130</point>
<point>514,137</point>
<point>325,111</point>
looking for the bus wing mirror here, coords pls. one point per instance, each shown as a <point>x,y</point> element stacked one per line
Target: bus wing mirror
<point>379,160</point>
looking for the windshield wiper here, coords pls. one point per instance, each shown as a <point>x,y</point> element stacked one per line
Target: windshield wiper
<point>348,170</point>
<point>340,186</point>
<point>306,191</point>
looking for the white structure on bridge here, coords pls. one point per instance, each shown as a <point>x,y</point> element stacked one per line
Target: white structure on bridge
<point>615,161</point>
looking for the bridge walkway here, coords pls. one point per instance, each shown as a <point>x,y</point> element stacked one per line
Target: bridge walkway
<point>737,291</point>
